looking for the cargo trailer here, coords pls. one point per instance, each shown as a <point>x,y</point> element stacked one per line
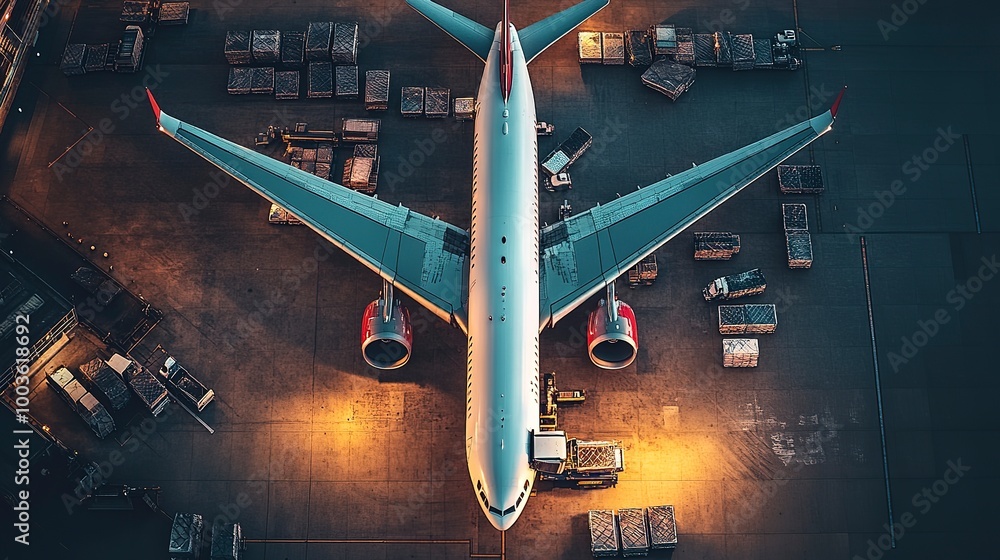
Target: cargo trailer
<point>740,352</point>
<point>377,90</point>
<point>107,382</point>
<point>632,528</point>
<point>662,527</point>
<point>715,245</point>
<point>568,152</point>
<point>181,381</point>
<point>747,283</point>
<point>81,401</point>
<point>603,532</point>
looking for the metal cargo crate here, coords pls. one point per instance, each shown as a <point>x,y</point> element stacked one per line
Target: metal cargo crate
<point>238,48</point>
<point>186,535</point>
<point>763,54</point>
<point>589,43</point>
<point>293,48</point>
<point>346,82</point>
<point>318,35</point>
<point>662,527</point>
<point>613,48</point>
<point>412,102</point>
<point>794,217</point>
<point>632,527</point>
<point>465,108</point>
<point>603,532</point>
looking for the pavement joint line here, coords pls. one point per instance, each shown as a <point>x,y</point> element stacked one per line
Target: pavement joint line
<point>972,182</point>
<point>878,388</point>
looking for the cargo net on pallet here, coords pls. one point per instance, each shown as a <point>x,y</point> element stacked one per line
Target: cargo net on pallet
<point>318,35</point>
<point>134,12</point>
<point>715,245</point>
<point>293,44</point>
<point>377,90</point>
<point>320,80</point>
<point>72,62</point>
<point>637,47</point>
<point>800,179</point>
<point>286,84</point>
<point>437,102</point>
<point>799,247</point>
<point>603,532</point>
<point>669,78</point>
<point>344,46</point>
<point>757,318</point>
<point>174,13</point>
<point>794,217</point>
<point>97,57</point>
<point>704,49</point>
<point>262,80</point>
<point>361,173</point>
<point>763,54</point>
<point>465,108</point>
<point>743,52</point>
<point>662,527</point>
<point>265,47</point>
<point>589,43</point>
<point>723,48</point>
<point>595,454</point>
<point>412,103</point>
<point>613,48</point>
<point>238,48</point>
<point>632,526</point>
<point>99,373</point>
<point>740,352</point>
<point>239,81</point>
<point>346,82</point>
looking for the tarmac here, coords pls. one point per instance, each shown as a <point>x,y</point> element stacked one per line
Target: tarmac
<point>853,412</point>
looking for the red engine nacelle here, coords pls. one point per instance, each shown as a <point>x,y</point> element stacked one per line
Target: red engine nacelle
<point>386,338</point>
<point>612,343</point>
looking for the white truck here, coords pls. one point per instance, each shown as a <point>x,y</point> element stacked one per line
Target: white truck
<point>576,463</point>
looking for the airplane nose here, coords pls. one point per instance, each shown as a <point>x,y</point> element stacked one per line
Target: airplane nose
<point>502,523</point>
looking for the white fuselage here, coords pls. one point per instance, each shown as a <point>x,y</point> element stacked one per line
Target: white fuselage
<point>502,383</point>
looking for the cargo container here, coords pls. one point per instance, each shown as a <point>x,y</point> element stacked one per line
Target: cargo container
<point>344,44</point>
<point>320,80</point>
<point>293,48</point>
<point>238,48</point>
<point>715,245</point>
<point>81,401</point>
<point>613,48</point>
<point>603,532</point>
<point>740,352</point>
<point>318,35</point>
<point>578,464</point>
<point>412,101</point>
<point>644,272</point>
<point>637,45</point>
<point>799,248</point>
<point>590,46</point>
<point>186,535</point>
<point>568,152</point>
<point>734,286</point>
<point>800,179</point>
<point>632,528</point>
<point>437,102</point>
<point>107,382</point>
<point>361,174</point>
<point>174,13</point>
<point>130,50</point>
<point>377,90</point>
<point>662,527</point>
<point>794,217</point>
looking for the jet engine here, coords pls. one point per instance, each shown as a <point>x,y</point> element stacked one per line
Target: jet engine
<point>612,334</point>
<point>386,335</point>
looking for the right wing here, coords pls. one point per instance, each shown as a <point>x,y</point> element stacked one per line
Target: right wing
<point>583,254</point>
<point>425,257</point>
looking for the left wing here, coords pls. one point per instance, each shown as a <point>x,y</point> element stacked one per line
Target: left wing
<point>424,257</point>
<point>585,253</point>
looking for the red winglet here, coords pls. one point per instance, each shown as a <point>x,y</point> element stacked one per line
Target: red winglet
<point>836,103</point>
<point>156,106</point>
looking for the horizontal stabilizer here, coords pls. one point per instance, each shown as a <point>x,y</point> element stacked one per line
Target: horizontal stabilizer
<point>538,36</point>
<point>477,38</point>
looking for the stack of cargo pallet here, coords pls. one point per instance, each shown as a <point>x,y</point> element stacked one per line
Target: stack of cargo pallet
<point>262,80</point>
<point>293,46</point>
<point>377,90</point>
<point>685,46</point>
<point>265,46</point>
<point>723,48</point>
<point>798,242</point>
<point>239,81</point>
<point>174,13</point>
<point>637,45</point>
<point>346,82</point>
<point>286,84</point>
<point>412,103</point>
<point>740,352</point>
<point>704,49</point>
<point>344,44</point>
<point>238,48</point>
<point>800,179</point>
<point>360,174</point>
<point>632,525</point>
<point>100,375</point>
<point>320,80</point>
<point>437,102</point>
<point>763,54</point>
<point>715,245</point>
<point>591,51</point>
<point>72,63</point>
<point>324,160</point>
<point>669,78</point>
<point>743,52</point>
<point>304,159</point>
<point>613,48</point>
<point>318,35</point>
<point>756,318</point>
<point>97,56</point>
<point>662,527</point>
<point>360,130</point>
<point>465,108</point>
<point>603,532</point>
<point>134,12</point>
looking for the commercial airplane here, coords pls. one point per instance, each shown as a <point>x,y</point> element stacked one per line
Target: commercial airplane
<point>504,280</point>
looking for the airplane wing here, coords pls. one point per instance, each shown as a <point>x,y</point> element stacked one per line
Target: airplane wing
<point>476,37</point>
<point>583,254</point>
<point>424,257</point>
<point>540,35</point>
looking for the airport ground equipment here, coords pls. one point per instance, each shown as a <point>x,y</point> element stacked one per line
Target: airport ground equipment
<point>800,179</point>
<point>669,78</point>
<point>756,318</point>
<point>278,215</point>
<point>643,273</point>
<point>603,532</point>
<point>149,389</point>
<point>437,102</point>
<point>747,283</point>
<point>565,210</point>
<point>186,536</point>
<point>543,128</point>
<point>411,102</point>
<point>740,352</point>
<point>227,542</point>
<point>637,48</point>
<point>798,241</point>
<point>81,401</point>
<point>568,152</point>
<point>553,399</point>
<point>662,527</point>
<point>715,245</point>
<point>106,381</point>
<point>612,48</point>
<point>632,528</point>
<point>182,381</point>
<point>590,47</point>
<point>377,90</point>
<point>552,183</point>
<point>580,464</point>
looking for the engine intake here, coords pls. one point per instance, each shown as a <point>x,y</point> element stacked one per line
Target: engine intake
<point>386,335</point>
<point>612,335</point>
